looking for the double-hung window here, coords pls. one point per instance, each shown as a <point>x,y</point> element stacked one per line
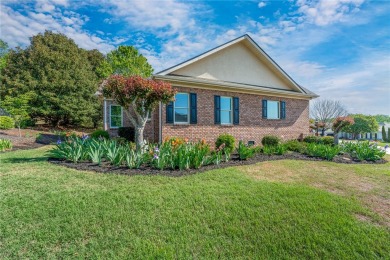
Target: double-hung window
<point>116,116</point>
<point>181,108</point>
<point>226,110</point>
<point>274,109</point>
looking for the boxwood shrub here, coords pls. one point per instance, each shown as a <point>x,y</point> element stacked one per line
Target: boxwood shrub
<point>270,140</point>
<point>100,133</point>
<point>228,140</point>
<point>6,122</point>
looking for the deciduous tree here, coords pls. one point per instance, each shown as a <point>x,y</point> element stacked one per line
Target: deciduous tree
<point>139,97</point>
<point>18,108</point>
<point>362,124</point>
<point>126,61</point>
<point>338,125</point>
<point>324,111</point>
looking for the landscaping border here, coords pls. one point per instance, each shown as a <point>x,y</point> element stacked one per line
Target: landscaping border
<point>105,167</point>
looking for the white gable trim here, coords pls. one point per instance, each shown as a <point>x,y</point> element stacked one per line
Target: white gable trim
<point>245,37</point>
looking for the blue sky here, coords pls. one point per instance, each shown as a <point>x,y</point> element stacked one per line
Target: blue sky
<point>339,49</point>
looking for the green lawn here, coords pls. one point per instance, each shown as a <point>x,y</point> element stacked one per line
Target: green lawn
<point>280,209</point>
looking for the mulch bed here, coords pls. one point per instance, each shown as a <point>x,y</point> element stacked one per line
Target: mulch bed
<point>234,161</point>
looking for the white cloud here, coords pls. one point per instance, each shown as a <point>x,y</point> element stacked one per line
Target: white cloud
<point>324,12</point>
<point>262,4</point>
<point>16,28</point>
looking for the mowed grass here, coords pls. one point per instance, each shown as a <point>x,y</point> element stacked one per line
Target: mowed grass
<point>257,211</point>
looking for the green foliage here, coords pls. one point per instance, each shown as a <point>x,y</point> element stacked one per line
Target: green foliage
<point>3,54</point>
<point>60,75</point>
<point>225,142</point>
<point>362,124</point>
<point>322,151</point>
<point>18,107</point>
<point>328,140</point>
<point>6,122</point>
<point>100,134</point>
<point>382,118</point>
<point>388,134</point>
<point>5,145</point>
<point>126,61</point>
<point>279,149</point>
<point>174,154</point>
<point>311,139</point>
<point>127,133</point>
<point>245,152</point>
<point>384,136</point>
<point>363,151</point>
<point>270,140</point>
<point>295,146</point>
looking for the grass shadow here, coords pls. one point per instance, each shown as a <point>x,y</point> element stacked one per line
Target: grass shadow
<point>24,160</point>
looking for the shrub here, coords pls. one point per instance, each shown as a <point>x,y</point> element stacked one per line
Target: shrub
<point>311,139</point>
<point>6,122</point>
<point>226,141</point>
<point>5,144</point>
<point>363,151</point>
<point>327,140</point>
<point>295,146</point>
<point>244,151</point>
<point>278,149</point>
<point>127,133</point>
<point>322,151</point>
<point>270,140</point>
<point>100,133</point>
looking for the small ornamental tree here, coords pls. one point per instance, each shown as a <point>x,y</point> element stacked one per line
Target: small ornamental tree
<point>388,135</point>
<point>339,124</point>
<point>18,107</point>
<point>139,97</point>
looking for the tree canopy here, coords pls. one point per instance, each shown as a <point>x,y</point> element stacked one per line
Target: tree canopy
<point>362,124</point>
<point>3,53</point>
<point>62,77</point>
<point>139,97</point>
<point>126,61</point>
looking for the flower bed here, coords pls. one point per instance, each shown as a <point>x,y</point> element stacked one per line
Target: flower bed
<point>176,157</point>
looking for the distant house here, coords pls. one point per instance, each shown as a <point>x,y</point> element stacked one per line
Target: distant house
<point>235,88</point>
<point>369,136</point>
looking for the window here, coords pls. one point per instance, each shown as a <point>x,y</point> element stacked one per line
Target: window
<point>116,117</point>
<point>273,111</point>
<point>226,110</point>
<point>181,108</point>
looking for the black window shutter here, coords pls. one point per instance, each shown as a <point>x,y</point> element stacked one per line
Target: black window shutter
<point>264,108</point>
<point>169,111</point>
<point>193,109</point>
<point>236,110</point>
<point>282,110</point>
<point>217,109</point>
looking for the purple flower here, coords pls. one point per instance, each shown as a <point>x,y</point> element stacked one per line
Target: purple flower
<point>84,137</point>
<point>155,157</point>
<point>59,141</point>
<point>156,150</point>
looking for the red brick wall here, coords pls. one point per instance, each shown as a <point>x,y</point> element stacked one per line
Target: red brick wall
<point>251,127</point>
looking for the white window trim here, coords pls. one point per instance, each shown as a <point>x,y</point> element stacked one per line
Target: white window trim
<point>231,111</point>
<point>116,127</point>
<point>279,110</point>
<point>188,109</point>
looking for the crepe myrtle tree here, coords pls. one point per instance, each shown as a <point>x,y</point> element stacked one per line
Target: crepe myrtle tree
<point>338,125</point>
<point>140,96</point>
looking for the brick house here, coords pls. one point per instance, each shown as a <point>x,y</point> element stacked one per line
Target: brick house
<point>235,88</point>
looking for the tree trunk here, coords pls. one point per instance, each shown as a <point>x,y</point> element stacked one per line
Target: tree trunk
<point>336,138</point>
<point>139,137</point>
<point>20,133</point>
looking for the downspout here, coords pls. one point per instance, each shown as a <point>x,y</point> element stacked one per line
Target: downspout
<point>104,114</point>
<point>159,123</point>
